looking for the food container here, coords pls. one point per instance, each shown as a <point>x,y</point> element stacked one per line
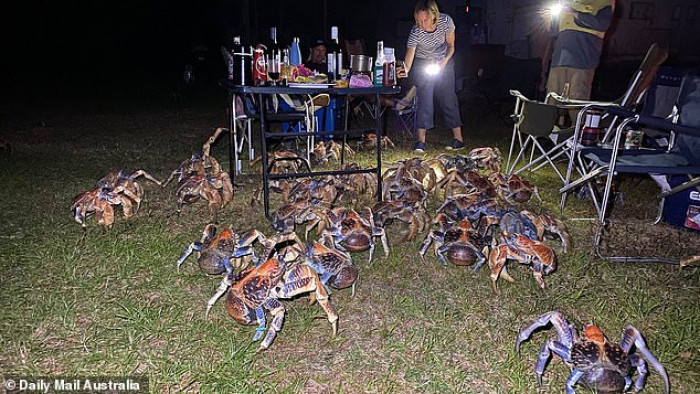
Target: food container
<point>360,64</point>
<point>633,139</point>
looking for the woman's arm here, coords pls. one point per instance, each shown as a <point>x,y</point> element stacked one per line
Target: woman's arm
<point>450,41</point>
<point>408,61</point>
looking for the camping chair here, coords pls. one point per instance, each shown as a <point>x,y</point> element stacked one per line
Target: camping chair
<point>310,106</point>
<point>630,101</point>
<point>535,123</point>
<point>527,129</point>
<point>405,110</point>
<point>683,158</point>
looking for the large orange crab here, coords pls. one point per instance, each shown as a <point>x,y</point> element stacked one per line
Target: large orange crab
<point>514,189</point>
<point>489,158</point>
<point>216,189</point>
<point>595,362</point>
<point>99,202</point>
<point>369,142</point>
<point>258,289</point>
<point>335,268</point>
<point>548,224</point>
<point>538,256</point>
<point>411,214</point>
<point>126,182</point>
<point>216,251</point>
<point>456,243</point>
<point>354,233</point>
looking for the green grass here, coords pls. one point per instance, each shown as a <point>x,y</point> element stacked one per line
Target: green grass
<point>103,302</point>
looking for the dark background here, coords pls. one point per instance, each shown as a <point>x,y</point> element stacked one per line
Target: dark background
<point>75,42</point>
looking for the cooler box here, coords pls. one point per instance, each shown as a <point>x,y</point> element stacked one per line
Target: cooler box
<point>682,209</point>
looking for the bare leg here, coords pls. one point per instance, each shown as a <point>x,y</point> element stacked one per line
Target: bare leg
<point>456,133</point>
<point>421,135</point>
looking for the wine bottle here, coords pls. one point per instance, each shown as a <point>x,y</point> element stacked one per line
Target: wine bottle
<point>332,56</point>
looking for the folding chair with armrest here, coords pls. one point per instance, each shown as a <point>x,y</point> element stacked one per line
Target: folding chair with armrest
<point>682,158</point>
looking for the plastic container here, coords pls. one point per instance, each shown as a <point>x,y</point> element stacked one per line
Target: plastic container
<point>682,209</point>
<point>389,67</point>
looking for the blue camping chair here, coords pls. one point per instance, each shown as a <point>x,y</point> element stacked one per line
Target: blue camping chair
<point>682,158</point>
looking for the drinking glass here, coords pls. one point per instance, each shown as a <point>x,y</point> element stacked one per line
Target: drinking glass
<point>274,68</point>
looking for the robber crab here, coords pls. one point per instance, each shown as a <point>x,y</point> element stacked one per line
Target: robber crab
<point>216,251</point>
<point>126,182</point>
<point>369,142</point>
<point>489,158</point>
<point>415,168</point>
<point>454,243</point>
<point>514,189</point>
<point>411,214</point>
<point>335,268</point>
<point>352,232</point>
<point>466,182</point>
<point>197,164</point>
<point>524,250</point>
<point>546,224</point>
<point>595,362</point>
<point>324,151</point>
<point>99,202</point>
<point>259,288</point>
<point>216,189</point>
<point>403,186</point>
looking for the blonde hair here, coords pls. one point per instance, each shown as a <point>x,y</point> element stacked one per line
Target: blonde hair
<point>429,6</point>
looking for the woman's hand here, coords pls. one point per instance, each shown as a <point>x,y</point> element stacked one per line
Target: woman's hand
<point>401,71</point>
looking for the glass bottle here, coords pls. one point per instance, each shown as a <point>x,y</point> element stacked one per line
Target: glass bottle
<point>379,64</point>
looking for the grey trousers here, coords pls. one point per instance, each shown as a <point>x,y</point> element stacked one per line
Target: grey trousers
<point>440,88</point>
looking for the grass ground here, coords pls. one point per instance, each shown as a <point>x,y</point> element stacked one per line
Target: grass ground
<point>111,302</point>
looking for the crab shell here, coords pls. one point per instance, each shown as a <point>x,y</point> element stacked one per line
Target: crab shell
<point>461,254</point>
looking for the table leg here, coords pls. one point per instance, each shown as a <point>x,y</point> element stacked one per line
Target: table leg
<point>377,130</point>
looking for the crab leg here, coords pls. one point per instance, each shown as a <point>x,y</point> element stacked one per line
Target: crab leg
<point>277,310</point>
<point>631,337</point>
<point>545,354</point>
<point>194,246</point>
<point>262,323</point>
<point>572,380</point>
<point>564,330</point>
<point>226,282</point>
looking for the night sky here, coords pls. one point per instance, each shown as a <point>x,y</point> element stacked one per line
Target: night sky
<point>45,41</point>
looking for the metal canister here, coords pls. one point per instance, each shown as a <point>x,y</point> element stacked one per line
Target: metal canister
<point>259,67</point>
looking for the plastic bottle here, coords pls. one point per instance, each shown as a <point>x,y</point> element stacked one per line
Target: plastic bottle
<point>379,64</point>
<point>295,53</point>
<point>389,67</point>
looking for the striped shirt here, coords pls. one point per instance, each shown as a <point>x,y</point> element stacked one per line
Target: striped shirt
<point>431,45</point>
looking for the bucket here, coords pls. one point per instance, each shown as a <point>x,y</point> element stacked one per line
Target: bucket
<point>360,64</point>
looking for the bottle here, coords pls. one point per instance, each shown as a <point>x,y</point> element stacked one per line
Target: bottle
<point>379,64</point>
<point>295,53</point>
<point>259,66</point>
<point>389,67</point>
<point>334,57</point>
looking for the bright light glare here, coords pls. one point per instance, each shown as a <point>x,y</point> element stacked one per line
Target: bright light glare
<point>432,69</point>
<point>555,9</point>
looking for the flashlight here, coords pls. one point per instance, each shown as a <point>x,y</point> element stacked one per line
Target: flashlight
<point>555,9</point>
<point>432,69</point>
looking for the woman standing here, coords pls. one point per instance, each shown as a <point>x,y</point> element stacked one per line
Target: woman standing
<point>429,51</point>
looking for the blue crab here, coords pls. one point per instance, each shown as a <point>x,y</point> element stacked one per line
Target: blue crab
<point>595,362</point>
